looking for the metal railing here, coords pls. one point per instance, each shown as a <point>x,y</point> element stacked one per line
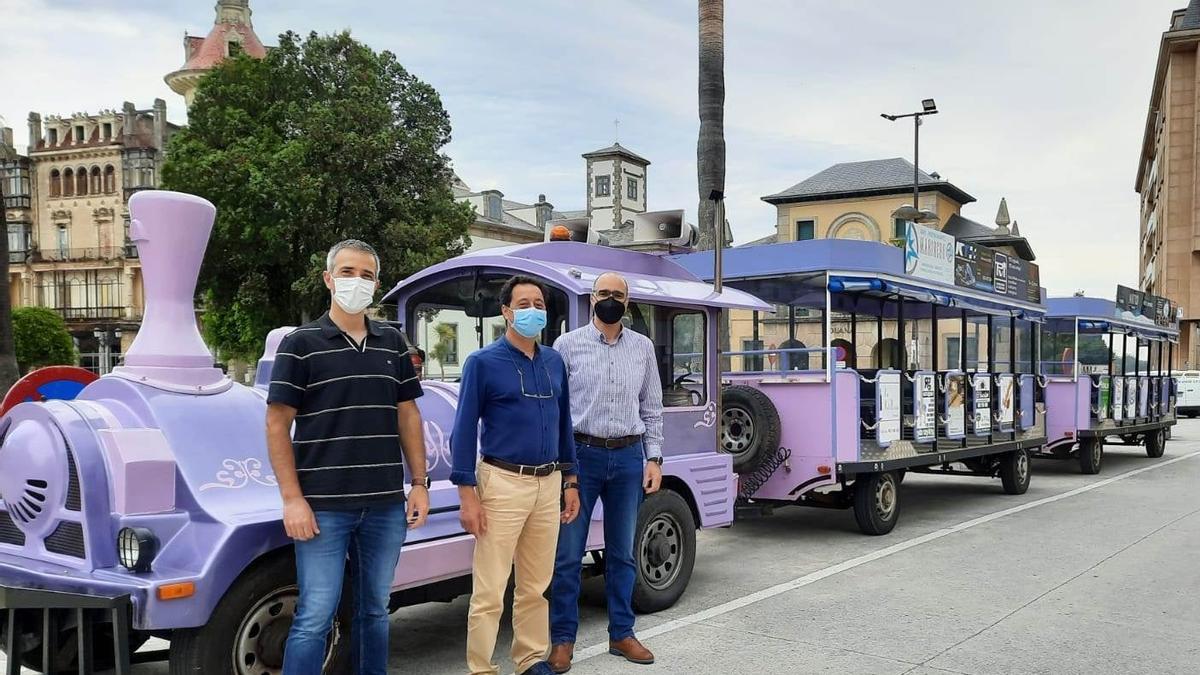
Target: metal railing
<point>86,313</point>
<point>73,254</point>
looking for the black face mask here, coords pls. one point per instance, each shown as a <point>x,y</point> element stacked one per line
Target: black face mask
<point>610,310</point>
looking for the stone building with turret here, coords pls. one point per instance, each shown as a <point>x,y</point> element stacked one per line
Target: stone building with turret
<point>232,33</point>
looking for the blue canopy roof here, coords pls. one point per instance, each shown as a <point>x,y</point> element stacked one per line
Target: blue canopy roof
<point>777,273</point>
<point>1103,317</point>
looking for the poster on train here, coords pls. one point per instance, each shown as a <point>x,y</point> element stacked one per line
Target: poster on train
<point>1162,311</point>
<point>887,408</point>
<point>981,398</point>
<point>1103,397</point>
<point>1131,398</point>
<point>1026,402</point>
<point>956,405</point>
<point>1143,396</point>
<point>925,407</point>
<point>1000,274</point>
<point>1006,393</point>
<point>1118,399</point>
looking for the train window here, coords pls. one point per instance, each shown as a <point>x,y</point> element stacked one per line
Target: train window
<point>680,346</point>
<point>452,319</point>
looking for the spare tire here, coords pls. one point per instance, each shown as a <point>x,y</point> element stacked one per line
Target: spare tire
<point>749,427</point>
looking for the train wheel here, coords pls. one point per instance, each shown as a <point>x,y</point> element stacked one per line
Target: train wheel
<point>1156,443</point>
<point>1014,471</point>
<point>877,502</point>
<point>1091,455</point>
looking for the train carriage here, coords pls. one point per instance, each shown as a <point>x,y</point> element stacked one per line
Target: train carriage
<point>1108,375</point>
<point>880,371</point>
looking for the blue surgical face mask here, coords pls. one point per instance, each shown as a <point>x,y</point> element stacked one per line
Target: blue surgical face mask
<point>529,321</point>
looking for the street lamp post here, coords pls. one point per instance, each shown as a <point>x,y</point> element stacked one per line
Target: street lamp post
<point>914,212</point>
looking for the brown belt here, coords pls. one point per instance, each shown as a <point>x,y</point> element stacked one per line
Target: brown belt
<point>538,471</point>
<point>607,443</point>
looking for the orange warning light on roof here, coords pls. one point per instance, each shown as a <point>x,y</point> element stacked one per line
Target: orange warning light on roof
<point>560,233</point>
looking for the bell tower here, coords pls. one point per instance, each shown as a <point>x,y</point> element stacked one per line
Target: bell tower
<point>616,190</point>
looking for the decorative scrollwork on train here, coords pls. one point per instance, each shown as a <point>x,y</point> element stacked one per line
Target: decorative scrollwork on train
<point>238,473</point>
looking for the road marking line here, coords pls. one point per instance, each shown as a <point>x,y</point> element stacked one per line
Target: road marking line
<point>813,577</point>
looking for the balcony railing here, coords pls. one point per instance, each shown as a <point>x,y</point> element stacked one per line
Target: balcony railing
<point>18,256</point>
<point>86,313</point>
<point>79,254</point>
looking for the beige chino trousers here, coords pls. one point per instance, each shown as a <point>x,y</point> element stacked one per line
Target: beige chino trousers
<point>522,515</point>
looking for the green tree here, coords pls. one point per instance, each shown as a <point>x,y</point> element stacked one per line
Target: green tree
<point>41,338</point>
<point>447,339</point>
<point>322,140</point>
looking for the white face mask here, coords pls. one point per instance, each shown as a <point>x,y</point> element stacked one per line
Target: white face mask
<point>353,294</point>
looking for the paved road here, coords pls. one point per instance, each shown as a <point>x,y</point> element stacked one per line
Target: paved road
<point>1084,574</point>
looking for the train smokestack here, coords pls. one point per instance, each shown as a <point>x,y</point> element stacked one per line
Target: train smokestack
<point>171,231</point>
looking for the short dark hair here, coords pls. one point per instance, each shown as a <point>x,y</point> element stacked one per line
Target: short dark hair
<point>506,291</point>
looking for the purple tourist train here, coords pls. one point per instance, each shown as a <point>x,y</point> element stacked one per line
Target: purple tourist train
<point>895,360</point>
<point>146,505</point>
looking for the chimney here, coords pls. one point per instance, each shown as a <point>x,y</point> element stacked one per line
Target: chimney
<point>171,231</point>
<point>160,123</point>
<point>544,211</point>
<point>128,113</point>
<point>6,140</point>
<point>35,131</point>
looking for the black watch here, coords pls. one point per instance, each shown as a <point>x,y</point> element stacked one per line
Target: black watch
<point>657,460</point>
<point>423,482</point>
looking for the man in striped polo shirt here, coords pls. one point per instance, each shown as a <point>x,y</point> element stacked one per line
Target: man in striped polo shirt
<point>617,411</point>
<point>349,386</point>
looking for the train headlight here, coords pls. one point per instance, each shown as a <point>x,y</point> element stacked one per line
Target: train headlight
<point>136,548</point>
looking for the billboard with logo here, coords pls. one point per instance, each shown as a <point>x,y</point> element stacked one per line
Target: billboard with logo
<point>982,269</point>
<point>1135,304</point>
<point>929,254</point>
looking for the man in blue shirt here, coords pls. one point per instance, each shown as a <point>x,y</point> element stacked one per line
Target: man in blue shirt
<point>617,407</point>
<point>513,406</point>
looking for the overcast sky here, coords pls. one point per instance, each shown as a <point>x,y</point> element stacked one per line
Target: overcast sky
<point>1041,102</point>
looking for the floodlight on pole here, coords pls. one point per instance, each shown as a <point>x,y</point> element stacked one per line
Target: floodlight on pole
<point>928,107</point>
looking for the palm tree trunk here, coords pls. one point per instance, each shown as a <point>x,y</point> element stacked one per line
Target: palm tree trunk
<point>710,147</point>
<point>8,354</point>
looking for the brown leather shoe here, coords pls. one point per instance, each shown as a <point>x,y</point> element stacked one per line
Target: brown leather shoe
<point>560,657</point>
<point>632,650</point>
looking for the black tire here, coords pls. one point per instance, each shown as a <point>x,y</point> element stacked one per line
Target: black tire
<point>64,654</point>
<point>749,427</point>
<point>1156,443</point>
<point>1091,455</point>
<point>877,502</point>
<point>1015,471</point>
<point>664,550</point>
<point>256,605</point>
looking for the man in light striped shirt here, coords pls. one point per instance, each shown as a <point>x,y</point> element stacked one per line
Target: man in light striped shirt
<point>616,409</point>
<point>348,384</point>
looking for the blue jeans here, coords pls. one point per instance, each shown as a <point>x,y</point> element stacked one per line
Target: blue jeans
<point>614,476</point>
<point>372,537</point>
